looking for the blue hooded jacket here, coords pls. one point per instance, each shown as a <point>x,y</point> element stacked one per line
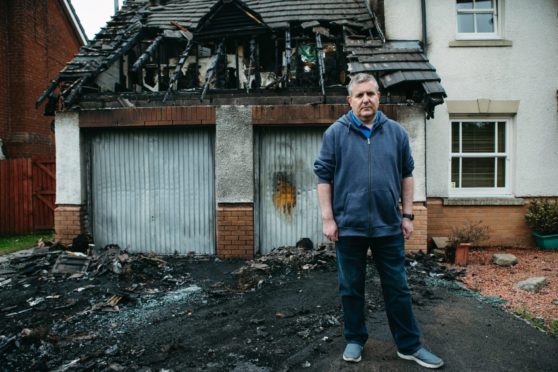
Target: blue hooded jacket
<point>366,175</point>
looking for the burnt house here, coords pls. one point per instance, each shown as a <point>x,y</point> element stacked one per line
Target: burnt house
<point>191,125</point>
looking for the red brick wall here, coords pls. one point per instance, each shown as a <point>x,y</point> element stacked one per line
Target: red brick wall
<point>507,226</point>
<point>148,116</point>
<point>69,221</point>
<point>40,40</point>
<point>4,98</point>
<point>235,230</point>
<point>323,114</point>
<point>418,240</point>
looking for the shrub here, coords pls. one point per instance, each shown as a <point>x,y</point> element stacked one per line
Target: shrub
<point>553,327</point>
<point>471,232</point>
<point>542,216</point>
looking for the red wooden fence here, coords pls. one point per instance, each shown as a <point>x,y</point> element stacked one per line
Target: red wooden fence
<point>27,195</point>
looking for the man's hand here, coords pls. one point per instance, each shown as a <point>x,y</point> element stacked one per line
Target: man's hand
<point>330,229</point>
<point>407,228</point>
<point>329,225</point>
<point>407,188</point>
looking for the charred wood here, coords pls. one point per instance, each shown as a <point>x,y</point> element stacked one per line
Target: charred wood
<point>147,54</point>
<point>47,92</point>
<point>191,79</point>
<point>178,69</point>
<point>212,68</point>
<point>288,54</point>
<point>74,93</point>
<point>375,21</point>
<point>321,61</point>
<point>254,66</point>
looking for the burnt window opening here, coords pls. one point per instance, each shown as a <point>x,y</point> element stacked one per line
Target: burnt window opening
<point>306,58</point>
<point>149,65</point>
<point>132,78</point>
<point>247,62</point>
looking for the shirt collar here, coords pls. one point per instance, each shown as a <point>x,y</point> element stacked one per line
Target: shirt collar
<point>359,124</point>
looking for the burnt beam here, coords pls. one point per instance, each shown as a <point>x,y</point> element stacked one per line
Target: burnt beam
<point>74,93</point>
<point>254,64</point>
<point>288,55</point>
<point>123,49</point>
<point>211,69</point>
<point>375,21</point>
<point>179,65</point>
<point>47,92</point>
<point>147,54</point>
<point>321,61</point>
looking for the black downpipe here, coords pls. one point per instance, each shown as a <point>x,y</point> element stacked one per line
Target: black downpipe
<point>425,50</point>
<point>424,35</point>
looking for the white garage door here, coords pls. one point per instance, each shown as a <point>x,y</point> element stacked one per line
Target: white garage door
<point>287,199</point>
<point>153,190</point>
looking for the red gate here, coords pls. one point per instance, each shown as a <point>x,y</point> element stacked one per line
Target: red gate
<point>27,195</point>
<point>44,194</point>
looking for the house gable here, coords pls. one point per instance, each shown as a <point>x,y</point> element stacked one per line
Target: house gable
<point>230,17</point>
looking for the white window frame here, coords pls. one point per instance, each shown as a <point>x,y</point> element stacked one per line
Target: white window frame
<point>496,35</point>
<point>482,192</point>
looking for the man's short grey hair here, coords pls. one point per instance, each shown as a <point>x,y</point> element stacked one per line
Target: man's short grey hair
<point>361,77</point>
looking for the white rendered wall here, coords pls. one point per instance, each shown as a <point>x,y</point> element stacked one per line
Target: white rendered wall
<point>527,71</point>
<point>413,119</point>
<point>70,185</point>
<point>403,19</point>
<point>234,155</point>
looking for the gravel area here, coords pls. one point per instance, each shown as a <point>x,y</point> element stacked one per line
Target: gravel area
<point>491,280</point>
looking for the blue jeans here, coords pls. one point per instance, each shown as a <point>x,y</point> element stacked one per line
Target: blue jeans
<point>389,255</point>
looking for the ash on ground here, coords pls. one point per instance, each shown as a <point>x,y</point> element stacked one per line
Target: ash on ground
<point>111,310</point>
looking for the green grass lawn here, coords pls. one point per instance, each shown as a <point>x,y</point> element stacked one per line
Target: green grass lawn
<point>9,244</point>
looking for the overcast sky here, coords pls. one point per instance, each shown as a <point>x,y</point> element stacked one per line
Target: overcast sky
<point>94,14</point>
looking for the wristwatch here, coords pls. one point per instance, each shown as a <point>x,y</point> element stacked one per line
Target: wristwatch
<point>409,216</point>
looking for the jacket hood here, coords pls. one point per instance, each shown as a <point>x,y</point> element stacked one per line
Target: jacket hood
<point>348,122</point>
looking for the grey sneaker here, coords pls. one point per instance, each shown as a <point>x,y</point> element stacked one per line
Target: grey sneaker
<point>423,357</point>
<point>352,353</point>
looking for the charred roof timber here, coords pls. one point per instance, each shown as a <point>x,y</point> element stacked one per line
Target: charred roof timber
<point>203,48</point>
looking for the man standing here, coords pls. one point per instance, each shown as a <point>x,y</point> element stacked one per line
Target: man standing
<point>364,167</point>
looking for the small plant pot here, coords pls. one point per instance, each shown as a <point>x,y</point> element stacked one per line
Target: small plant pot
<point>546,242</point>
<point>462,254</point>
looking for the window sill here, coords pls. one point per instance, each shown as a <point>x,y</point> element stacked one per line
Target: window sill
<point>479,43</point>
<point>496,201</point>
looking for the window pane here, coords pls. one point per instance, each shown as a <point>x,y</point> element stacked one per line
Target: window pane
<point>455,136</point>
<point>484,4</point>
<point>455,172</point>
<point>501,137</point>
<point>478,172</point>
<point>478,137</point>
<point>465,23</point>
<point>485,23</point>
<point>464,4</point>
<point>501,179</point>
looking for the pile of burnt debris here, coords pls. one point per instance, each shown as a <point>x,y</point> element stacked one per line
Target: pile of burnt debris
<point>45,289</point>
<point>67,308</point>
<point>284,261</point>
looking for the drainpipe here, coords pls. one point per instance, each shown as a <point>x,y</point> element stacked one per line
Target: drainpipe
<point>423,8</point>
<point>425,50</point>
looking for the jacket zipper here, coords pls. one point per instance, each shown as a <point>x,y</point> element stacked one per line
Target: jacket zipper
<point>369,186</point>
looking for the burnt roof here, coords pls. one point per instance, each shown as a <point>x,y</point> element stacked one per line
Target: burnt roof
<point>393,62</point>
<point>275,13</point>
